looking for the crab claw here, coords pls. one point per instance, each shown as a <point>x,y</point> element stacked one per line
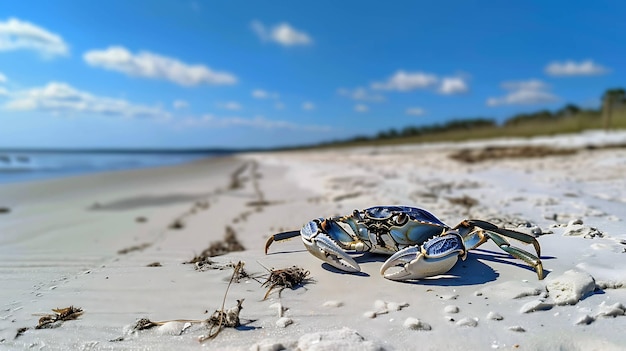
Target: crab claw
<point>322,246</point>
<point>434,257</point>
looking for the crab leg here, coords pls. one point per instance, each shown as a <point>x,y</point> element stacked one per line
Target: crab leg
<point>518,253</point>
<point>280,237</point>
<point>525,238</point>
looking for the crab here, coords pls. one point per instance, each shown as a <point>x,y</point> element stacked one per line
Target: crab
<point>418,242</point>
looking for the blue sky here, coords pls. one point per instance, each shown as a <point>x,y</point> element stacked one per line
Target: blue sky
<point>251,73</point>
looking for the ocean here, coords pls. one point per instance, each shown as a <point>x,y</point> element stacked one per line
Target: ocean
<point>21,166</point>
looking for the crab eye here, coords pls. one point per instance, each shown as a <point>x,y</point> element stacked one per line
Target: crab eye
<point>401,219</point>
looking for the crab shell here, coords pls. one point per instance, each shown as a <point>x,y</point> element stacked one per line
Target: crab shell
<point>394,230</point>
<point>419,243</point>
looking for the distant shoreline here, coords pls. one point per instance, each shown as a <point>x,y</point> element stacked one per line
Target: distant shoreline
<point>20,165</point>
<point>124,151</point>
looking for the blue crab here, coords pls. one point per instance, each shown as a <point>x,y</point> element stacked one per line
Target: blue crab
<point>417,241</point>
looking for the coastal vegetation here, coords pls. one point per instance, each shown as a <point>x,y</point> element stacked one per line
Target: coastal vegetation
<point>568,119</point>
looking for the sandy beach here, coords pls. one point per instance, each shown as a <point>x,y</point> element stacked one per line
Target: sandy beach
<point>114,244</point>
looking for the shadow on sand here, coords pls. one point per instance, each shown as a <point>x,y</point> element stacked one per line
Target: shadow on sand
<point>473,271</point>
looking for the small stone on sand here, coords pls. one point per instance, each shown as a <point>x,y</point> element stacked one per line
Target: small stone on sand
<point>416,324</point>
<point>451,309</point>
<point>585,320</point>
<point>370,314</point>
<point>517,328</point>
<point>467,322</point>
<point>494,316</point>
<point>333,303</point>
<point>284,322</point>
<point>570,287</point>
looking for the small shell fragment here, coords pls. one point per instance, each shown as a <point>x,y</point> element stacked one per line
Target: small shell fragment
<point>451,309</point>
<point>494,316</point>
<point>284,322</point>
<point>370,314</point>
<point>333,303</point>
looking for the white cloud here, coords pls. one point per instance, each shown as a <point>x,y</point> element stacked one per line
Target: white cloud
<point>524,93</point>
<point>572,68</point>
<point>150,65</point>
<point>4,91</point>
<point>263,94</point>
<point>259,122</point>
<point>453,85</point>
<point>17,35</point>
<point>283,34</point>
<point>180,104</point>
<point>230,105</point>
<point>361,108</point>
<point>308,106</point>
<point>406,81</point>
<point>279,106</point>
<point>360,94</point>
<point>3,78</point>
<point>415,111</point>
<point>59,97</point>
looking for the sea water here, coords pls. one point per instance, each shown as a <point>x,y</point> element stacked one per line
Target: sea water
<point>18,166</point>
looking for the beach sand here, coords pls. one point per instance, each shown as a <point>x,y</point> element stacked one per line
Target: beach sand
<point>114,245</point>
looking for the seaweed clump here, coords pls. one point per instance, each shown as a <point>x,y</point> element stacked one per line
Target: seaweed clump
<point>230,243</point>
<point>291,278</point>
<point>60,315</point>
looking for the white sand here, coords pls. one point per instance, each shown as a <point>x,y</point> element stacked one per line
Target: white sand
<point>59,247</point>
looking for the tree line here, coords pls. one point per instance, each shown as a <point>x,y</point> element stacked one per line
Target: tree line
<point>613,98</point>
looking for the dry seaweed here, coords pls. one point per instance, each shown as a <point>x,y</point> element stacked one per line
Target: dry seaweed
<point>502,152</point>
<point>216,322</point>
<point>224,319</point>
<point>261,203</point>
<point>20,332</point>
<point>177,224</point>
<point>291,278</point>
<point>218,248</point>
<point>235,177</point>
<point>139,247</point>
<point>212,265</point>
<point>60,315</point>
<point>465,201</point>
<point>144,323</point>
